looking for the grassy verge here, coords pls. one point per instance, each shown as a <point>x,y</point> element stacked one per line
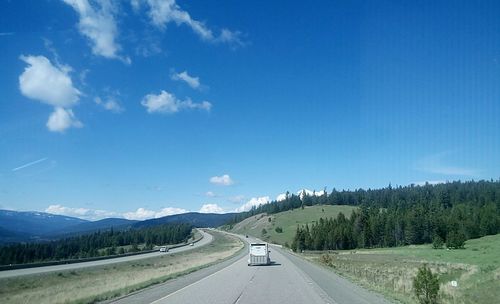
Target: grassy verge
<point>390,271</point>
<point>94,284</point>
<point>287,221</point>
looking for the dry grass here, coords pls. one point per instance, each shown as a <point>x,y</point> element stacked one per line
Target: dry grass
<point>391,271</point>
<point>99,283</point>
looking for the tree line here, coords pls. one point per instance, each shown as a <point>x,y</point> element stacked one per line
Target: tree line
<point>447,195</point>
<point>96,244</point>
<point>440,214</point>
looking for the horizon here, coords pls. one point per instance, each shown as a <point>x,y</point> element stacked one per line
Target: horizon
<point>124,108</point>
<point>278,199</point>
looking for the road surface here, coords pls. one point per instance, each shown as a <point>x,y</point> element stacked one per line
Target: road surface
<point>289,280</point>
<point>207,238</point>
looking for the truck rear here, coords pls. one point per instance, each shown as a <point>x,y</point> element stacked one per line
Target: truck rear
<point>259,254</point>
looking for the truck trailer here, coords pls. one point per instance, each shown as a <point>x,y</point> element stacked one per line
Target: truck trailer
<point>259,254</point>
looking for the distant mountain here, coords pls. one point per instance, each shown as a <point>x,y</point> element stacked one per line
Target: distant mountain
<point>89,227</point>
<point>35,223</point>
<point>16,226</point>
<point>194,218</point>
<point>9,237</point>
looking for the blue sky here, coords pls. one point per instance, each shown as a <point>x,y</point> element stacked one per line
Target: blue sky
<point>146,108</point>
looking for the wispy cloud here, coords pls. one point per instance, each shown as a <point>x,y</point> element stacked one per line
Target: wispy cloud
<point>6,34</point>
<point>97,23</point>
<point>30,164</point>
<point>163,12</point>
<point>166,102</point>
<point>438,164</point>
<point>192,81</point>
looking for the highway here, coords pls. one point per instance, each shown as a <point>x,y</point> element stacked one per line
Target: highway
<point>290,279</point>
<point>207,238</point>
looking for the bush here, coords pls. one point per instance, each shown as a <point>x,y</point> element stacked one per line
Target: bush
<point>437,242</point>
<point>426,286</point>
<point>455,240</point>
<point>264,231</point>
<point>278,229</point>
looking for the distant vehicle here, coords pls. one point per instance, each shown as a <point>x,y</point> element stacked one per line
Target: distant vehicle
<point>163,249</point>
<point>259,254</point>
<point>192,244</point>
<point>246,236</point>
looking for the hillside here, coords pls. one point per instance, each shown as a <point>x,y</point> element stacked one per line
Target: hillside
<point>476,269</point>
<point>287,221</point>
<point>20,226</point>
<point>89,227</point>
<point>35,223</point>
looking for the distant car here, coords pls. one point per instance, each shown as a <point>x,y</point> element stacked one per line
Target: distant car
<point>246,236</point>
<point>192,244</point>
<point>163,249</point>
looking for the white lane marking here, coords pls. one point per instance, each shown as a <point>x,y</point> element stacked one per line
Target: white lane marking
<point>171,294</point>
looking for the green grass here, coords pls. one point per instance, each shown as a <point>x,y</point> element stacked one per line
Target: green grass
<point>93,284</point>
<point>288,221</point>
<point>391,270</point>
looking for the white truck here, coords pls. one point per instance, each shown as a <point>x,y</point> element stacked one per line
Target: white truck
<point>259,254</point>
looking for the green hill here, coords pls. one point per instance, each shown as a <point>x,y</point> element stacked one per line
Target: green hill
<point>287,221</point>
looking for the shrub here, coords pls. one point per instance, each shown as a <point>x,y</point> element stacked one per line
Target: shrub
<point>426,286</point>
<point>278,229</point>
<point>264,231</point>
<point>455,239</point>
<point>437,242</point>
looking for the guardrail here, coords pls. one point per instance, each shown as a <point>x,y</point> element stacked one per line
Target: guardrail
<point>74,261</point>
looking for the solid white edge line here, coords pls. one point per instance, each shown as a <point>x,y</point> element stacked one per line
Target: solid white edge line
<point>171,294</point>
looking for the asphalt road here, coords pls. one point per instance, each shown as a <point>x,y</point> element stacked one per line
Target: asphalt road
<point>289,280</point>
<point>207,238</point>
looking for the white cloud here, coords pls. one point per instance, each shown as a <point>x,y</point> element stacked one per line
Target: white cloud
<point>281,197</point>
<point>51,85</point>
<point>193,82</point>
<point>303,192</point>
<point>47,83</point>
<point>169,211</point>
<point>224,180</point>
<point>210,194</point>
<point>95,214</point>
<point>162,12</point>
<point>110,104</point>
<point>254,202</point>
<point>144,214</point>
<point>166,102</point>
<point>211,208</point>
<point>62,119</point>
<point>83,213</point>
<point>97,23</point>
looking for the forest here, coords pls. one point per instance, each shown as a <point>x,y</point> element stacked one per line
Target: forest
<point>96,244</point>
<point>447,214</point>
